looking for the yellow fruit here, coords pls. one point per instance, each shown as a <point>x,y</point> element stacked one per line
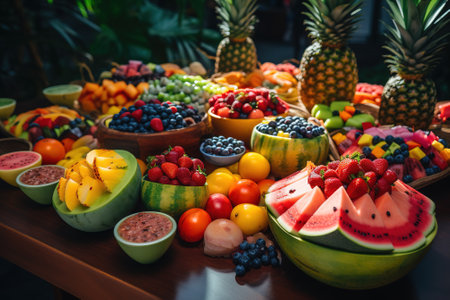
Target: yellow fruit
<point>254,166</point>
<point>62,188</point>
<point>70,195</point>
<point>219,182</point>
<point>223,170</point>
<point>85,170</point>
<point>234,168</point>
<point>237,177</point>
<point>110,163</point>
<point>142,166</point>
<point>101,153</point>
<point>250,218</point>
<point>89,190</point>
<point>109,177</point>
<point>75,176</point>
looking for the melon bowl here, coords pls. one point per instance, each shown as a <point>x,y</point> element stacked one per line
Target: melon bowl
<point>347,270</point>
<point>287,155</point>
<point>64,94</point>
<point>240,129</point>
<point>109,208</point>
<point>172,199</point>
<point>144,144</point>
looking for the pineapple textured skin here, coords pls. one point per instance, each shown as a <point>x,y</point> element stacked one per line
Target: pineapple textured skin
<point>236,55</point>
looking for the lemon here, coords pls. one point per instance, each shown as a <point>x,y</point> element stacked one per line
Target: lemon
<point>250,218</point>
<point>223,170</point>
<point>219,182</point>
<point>254,166</point>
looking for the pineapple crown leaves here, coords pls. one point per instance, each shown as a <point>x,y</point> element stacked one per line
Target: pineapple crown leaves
<point>237,17</point>
<point>331,22</point>
<point>416,40</point>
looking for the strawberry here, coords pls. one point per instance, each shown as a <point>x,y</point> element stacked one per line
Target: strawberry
<point>234,114</point>
<point>185,162</point>
<point>137,115</point>
<point>123,115</point>
<point>139,103</point>
<point>318,170</point>
<point>172,157</point>
<point>184,176</point>
<point>164,180</point>
<point>371,178</point>
<point>198,178</point>
<point>380,165</point>
<point>331,185</point>
<point>246,108</point>
<point>330,173</point>
<point>346,168</point>
<point>333,164</point>
<point>179,150</point>
<point>156,160</point>
<point>390,176</point>
<point>155,174</point>
<point>315,179</point>
<point>367,165</point>
<point>381,187</point>
<point>173,109</point>
<point>196,163</point>
<point>170,169</point>
<point>357,188</point>
<point>156,124</point>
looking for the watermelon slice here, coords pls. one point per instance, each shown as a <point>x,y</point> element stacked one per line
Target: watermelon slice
<point>339,224</point>
<point>298,214</point>
<point>403,235</point>
<point>281,200</point>
<point>423,201</point>
<point>289,179</point>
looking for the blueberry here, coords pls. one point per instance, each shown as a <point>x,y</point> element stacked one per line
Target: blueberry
<point>244,245</point>
<point>429,171</point>
<point>256,263</point>
<point>389,139</point>
<point>335,113</point>
<point>260,242</point>
<point>271,248</point>
<point>125,119</point>
<point>404,147</point>
<point>385,147</point>
<point>405,153</point>
<point>397,152</point>
<point>366,150</point>
<point>240,143</point>
<point>431,155</point>
<point>251,246</point>
<point>436,169</point>
<point>358,134</point>
<point>236,257</point>
<point>292,134</point>
<point>224,152</point>
<point>376,139</point>
<point>390,159</point>
<point>274,261</point>
<point>272,253</point>
<point>240,270</point>
<point>245,261</point>
<point>399,140</point>
<point>407,178</point>
<point>265,259</point>
<point>425,161</point>
<point>399,159</point>
<point>357,112</point>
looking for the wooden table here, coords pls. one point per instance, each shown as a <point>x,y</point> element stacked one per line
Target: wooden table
<point>91,265</point>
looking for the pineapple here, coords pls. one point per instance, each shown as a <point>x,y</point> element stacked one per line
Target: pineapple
<point>415,44</point>
<point>236,52</point>
<point>328,66</point>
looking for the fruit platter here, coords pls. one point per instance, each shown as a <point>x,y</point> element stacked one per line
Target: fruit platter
<point>166,178</point>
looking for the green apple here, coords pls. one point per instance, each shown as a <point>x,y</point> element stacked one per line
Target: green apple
<point>324,114</point>
<point>339,105</point>
<point>335,122</point>
<point>318,107</point>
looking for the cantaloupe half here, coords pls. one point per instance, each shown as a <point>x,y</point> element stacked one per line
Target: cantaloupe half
<point>70,194</point>
<point>105,153</point>
<point>89,190</point>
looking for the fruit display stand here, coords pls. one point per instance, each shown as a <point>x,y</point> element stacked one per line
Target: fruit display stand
<point>36,239</point>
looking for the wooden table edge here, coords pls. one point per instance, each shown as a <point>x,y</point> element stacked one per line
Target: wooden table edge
<point>64,271</point>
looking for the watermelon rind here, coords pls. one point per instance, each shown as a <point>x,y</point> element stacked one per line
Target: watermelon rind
<point>287,155</point>
<point>109,208</point>
<point>344,269</point>
<point>172,199</point>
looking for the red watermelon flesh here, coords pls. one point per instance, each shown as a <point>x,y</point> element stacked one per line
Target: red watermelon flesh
<point>298,214</point>
<point>281,200</point>
<point>289,179</point>
<point>423,201</point>
<point>337,223</point>
<point>403,235</point>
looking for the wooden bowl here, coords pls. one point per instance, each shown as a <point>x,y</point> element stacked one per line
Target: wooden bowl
<point>144,144</point>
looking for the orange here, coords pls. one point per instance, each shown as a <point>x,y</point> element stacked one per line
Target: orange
<point>142,165</point>
<point>51,150</point>
<point>264,186</point>
<point>67,142</point>
<point>254,166</point>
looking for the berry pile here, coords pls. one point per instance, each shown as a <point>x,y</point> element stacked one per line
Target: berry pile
<point>175,167</point>
<point>247,104</point>
<point>154,117</point>
<point>292,127</point>
<point>357,176</point>
<point>254,255</point>
<point>135,72</point>
<point>222,146</point>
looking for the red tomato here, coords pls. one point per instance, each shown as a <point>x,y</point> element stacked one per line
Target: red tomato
<point>192,224</point>
<point>51,150</point>
<point>256,114</point>
<point>218,206</point>
<point>244,191</point>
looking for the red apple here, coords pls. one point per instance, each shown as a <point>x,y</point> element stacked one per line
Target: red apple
<point>218,206</point>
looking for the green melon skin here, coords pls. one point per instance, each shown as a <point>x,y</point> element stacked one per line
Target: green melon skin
<point>287,155</point>
<point>110,207</point>
<point>172,199</point>
<point>347,270</point>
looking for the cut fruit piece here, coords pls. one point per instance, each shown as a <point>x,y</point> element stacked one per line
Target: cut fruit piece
<point>423,201</point>
<point>338,224</point>
<point>85,169</point>
<point>70,194</point>
<point>62,188</point>
<point>109,177</point>
<point>298,214</point>
<point>100,153</point>
<point>403,235</point>
<point>281,200</point>
<point>89,190</point>
<point>75,176</point>
<point>110,163</point>
<point>290,179</point>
